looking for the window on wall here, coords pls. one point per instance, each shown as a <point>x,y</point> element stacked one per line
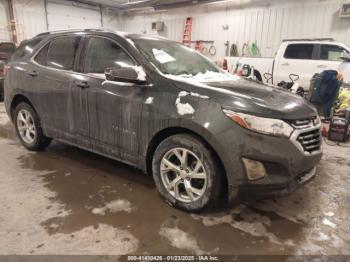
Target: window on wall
<point>299,51</point>
<point>102,53</point>
<point>61,53</point>
<point>331,52</point>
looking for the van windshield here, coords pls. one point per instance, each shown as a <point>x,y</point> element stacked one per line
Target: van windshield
<point>7,47</point>
<point>174,59</point>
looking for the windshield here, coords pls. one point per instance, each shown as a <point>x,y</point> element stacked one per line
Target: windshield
<point>174,59</point>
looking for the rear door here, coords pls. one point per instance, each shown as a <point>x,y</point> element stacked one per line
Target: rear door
<point>329,55</point>
<point>115,108</point>
<point>61,102</point>
<point>299,59</point>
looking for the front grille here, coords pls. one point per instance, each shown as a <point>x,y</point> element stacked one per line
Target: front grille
<point>310,141</point>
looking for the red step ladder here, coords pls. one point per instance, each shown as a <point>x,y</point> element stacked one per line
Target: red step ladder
<point>187,38</point>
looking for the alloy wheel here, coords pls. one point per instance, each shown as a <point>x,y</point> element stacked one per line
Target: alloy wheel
<point>183,175</point>
<point>26,126</point>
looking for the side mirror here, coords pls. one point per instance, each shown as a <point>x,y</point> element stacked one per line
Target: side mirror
<point>125,74</point>
<point>345,57</point>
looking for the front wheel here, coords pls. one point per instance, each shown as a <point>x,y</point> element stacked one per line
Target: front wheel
<point>186,173</point>
<point>28,128</point>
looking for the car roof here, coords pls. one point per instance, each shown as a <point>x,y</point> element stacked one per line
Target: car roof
<point>129,35</point>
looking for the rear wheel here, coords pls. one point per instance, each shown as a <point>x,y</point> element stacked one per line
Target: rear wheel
<point>186,173</point>
<point>28,128</point>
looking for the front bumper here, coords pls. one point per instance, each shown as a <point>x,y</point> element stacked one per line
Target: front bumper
<point>288,164</point>
<point>258,191</point>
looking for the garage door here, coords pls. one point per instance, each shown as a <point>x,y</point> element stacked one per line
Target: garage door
<point>67,15</point>
<point>4,26</point>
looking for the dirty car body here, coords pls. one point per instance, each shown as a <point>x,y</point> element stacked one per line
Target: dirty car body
<point>247,127</point>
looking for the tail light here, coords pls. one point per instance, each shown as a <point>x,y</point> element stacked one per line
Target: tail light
<point>5,70</point>
<point>225,65</point>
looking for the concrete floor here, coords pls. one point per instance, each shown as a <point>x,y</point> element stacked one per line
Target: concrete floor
<point>69,201</point>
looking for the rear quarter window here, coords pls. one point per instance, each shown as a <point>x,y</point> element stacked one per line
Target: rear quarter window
<point>299,51</point>
<point>41,57</point>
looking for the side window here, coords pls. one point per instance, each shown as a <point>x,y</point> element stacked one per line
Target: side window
<point>61,53</point>
<point>299,51</point>
<point>102,53</point>
<point>41,57</point>
<point>331,52</point>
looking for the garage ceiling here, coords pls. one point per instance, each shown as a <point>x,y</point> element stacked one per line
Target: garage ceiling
<point>157,4</point>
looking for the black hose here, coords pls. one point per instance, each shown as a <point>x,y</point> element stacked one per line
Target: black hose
<point>233,50</point>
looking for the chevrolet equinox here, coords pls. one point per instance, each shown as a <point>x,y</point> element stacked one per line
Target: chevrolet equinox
<point>164,108</point>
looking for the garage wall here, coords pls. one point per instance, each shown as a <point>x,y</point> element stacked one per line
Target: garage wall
<point>30,18</point>
<point>112,19</point>
<point>266,25</point>
<point>4,26</point>
<point>67,15</point>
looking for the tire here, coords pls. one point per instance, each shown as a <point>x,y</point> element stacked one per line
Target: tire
<point>257,76</point>
<point>35,141</point>
<point>189,191</point>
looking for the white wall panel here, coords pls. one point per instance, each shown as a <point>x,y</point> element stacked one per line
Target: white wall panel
<point>30,18</point>
<point>111,19</point>
<point>4,25</point>
<point>67,15</point>
<point>267,25</point>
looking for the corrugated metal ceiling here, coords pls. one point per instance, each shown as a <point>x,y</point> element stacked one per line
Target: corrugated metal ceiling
<point>157,4</point>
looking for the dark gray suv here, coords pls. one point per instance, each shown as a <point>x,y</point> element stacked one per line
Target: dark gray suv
<point>162,107</point>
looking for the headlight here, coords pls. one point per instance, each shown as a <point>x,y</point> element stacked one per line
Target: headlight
<point>317,120</point>
<point>268,126</point>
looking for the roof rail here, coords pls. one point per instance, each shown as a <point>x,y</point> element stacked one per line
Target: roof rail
<point>73,30</point>
<point>309,39</point>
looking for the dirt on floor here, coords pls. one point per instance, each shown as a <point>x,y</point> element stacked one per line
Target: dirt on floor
<point>69,201</point>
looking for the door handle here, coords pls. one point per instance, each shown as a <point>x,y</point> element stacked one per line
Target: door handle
<point>285,64</point>
<point>33,73</point>
<point>322,66</point>
<point>82,84</point>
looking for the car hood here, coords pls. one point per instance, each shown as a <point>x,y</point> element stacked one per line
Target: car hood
<point>250,97</point>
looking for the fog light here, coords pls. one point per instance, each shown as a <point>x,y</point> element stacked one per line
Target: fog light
<point>255,169</point>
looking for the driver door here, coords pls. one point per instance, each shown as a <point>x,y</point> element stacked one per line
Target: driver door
<point>115,108</point>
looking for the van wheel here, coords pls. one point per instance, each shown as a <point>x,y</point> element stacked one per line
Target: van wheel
<point>186,173</point>
<point>28,128</point>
